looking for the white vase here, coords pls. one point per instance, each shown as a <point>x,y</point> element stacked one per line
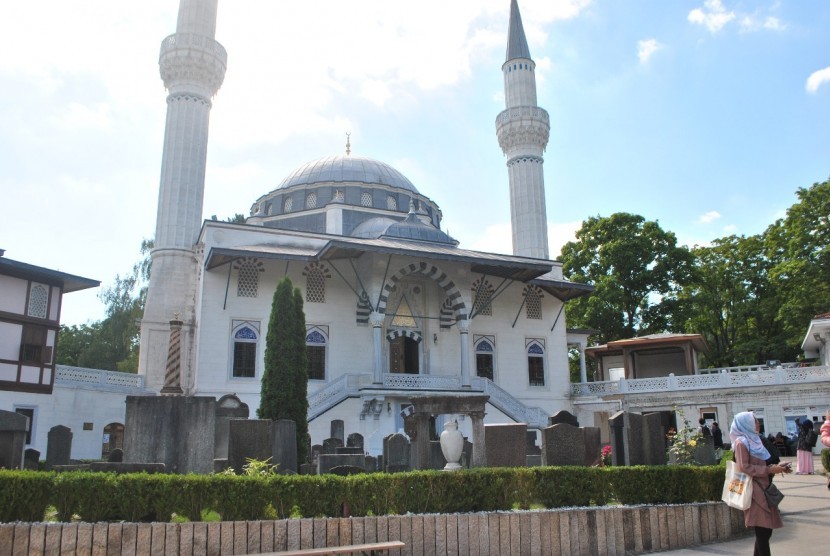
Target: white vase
<point>452,444</point>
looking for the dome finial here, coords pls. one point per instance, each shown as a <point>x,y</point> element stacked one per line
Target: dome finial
<point>348,144</point>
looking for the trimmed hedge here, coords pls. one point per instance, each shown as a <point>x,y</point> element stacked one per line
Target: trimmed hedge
<point>825,459</point>
<point>93,497</point>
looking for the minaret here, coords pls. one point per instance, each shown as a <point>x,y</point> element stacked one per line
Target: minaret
<point>523,130</point>
<point>192,66</point>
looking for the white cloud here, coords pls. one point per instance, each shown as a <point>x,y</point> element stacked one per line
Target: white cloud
<point>708,217</point>
<point>646,48</point>
<point>817,79</point>
<point>712,15</point>
<point>774,24</point>
<point>498,238</point>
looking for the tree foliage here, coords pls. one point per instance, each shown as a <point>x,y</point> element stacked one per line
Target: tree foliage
<point>637,269</point>
<point>285,381</point>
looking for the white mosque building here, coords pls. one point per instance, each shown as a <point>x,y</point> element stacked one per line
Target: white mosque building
<point>394,307</point>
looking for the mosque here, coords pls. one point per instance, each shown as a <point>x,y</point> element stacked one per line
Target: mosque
<point>394,306</point>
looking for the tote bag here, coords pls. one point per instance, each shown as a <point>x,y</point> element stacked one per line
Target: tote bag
<point>737,488</point>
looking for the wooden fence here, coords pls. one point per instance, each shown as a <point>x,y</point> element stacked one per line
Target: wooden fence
<point>600,531</point>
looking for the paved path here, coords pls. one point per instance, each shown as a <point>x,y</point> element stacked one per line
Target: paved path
<point>806,515</point>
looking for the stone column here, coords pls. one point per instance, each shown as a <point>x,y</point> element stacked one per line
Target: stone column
<point>172,375</point>
<point>464,330</point>
<point>479,458</point>
<point>376,319</point>
<point>583,371</point>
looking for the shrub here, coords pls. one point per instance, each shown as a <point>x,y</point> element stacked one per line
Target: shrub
<point>24,495</point>
<point>825,459</point>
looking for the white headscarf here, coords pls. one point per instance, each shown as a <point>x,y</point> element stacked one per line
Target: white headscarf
<point>743,430</point>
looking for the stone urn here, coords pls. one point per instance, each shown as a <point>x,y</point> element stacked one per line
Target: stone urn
<point>452,444</point>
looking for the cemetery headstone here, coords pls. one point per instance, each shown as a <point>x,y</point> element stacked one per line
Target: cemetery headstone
<point>31,459</point>
<point>227,407</point>
<point>704,452</point>
<point>116,455</point>
<point>58,446</point>
<point>396,453</point>
<point>338,430</point>
<point>506,444</point>
<point>316,450</point>
<point>249,439</point>
<point>532,448</point>
<point>327,462</point>
<point>355,440</point>
<point>563,444</point>
<point>593,445</point>
<point>563,417</point>
<point>284,445</point>
<point>330,445</point>
<point>13,427</point>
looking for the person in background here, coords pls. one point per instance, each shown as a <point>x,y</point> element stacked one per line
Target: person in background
<point>804,451</point>
<point>825,430</point>
<point>717,440</point>
<point>751,458</point>
<point>703,429</point>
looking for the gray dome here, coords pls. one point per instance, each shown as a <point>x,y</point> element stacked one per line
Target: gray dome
<point>372,228</point>
<point>413,228</point>
<point>347,169</point>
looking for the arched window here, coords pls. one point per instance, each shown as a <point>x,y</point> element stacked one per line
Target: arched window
<point>38,301</point>
<point>247,284</point>
<point>316,340</point>
<point>536,362</point>
<point>485,350</point>
<point>391,202</point>
<point>482,297</point>
<point>339,196</point>
<point>245,337</point>
<point>533,302</point>
<point>366,199</point>
<point>311,200</point>
<point>288,204</point>
<point>315,282</point>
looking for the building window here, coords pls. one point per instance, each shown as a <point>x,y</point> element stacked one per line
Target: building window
<point>315,282</point>
<point>366,199</point>
<point>482,297</point>
<point>533,302</point>
<point>392,202</point>
<point>245,341</point>
<point>288,204</point>
<point>29,413</point>
<point>485,347</point>
<point>248,269</point>
<point>38,301</point>
<point>316,340</point>
<point>339,196</point>
<point>311,200</point>
<point>536,362</point>
<point>33,348</point>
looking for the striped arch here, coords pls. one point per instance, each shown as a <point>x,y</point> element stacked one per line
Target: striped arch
<point>430,271</point>
<point>405,333</point>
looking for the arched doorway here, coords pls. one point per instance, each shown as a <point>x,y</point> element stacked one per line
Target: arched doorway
<point>403,355</point>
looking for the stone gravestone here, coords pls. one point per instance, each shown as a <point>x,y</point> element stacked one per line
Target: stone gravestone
<point>704,452</point>
<point>227,407</point>
<point>248,439</point>
<point>563,444</point>
<point>563,417</point>
<point>116,455</point>
<point>284,447</point>
<point>616,424</point>
<point>13,427</point>
<point>338,430</point>
<point>316,450</point>
<point>348,450</point>
<point>355,440</point>
<point>593,445</point>
<point>31,459</point>
<point>506,444</point>
<point>178,431</point>
<point>330,445</point>
<point>58,446</point>
<point>327,462</point>
<point>396,453</point>
<point>371,464</point>
<point>653,439</point>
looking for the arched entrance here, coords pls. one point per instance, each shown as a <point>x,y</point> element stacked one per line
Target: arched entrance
<point>113,438</point>
<point>404,352</point>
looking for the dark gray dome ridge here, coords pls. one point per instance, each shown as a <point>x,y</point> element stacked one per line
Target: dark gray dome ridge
<point>347,169</point>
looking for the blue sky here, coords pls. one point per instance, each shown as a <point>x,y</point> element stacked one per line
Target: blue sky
<point>706,115</point>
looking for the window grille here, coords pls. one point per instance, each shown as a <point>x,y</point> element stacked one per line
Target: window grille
<point>38,301</point>
<point>247,284</point>
<point>311,200</point>
<point>288,204</point>
<point>482,297</point>
<point>533,303</point>
<point>315,284</point>
<point>366,199</point>
<point>391,202</point>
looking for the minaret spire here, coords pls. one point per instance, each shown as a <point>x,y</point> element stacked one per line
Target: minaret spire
<point>523,129</point>
<point>192,65</point>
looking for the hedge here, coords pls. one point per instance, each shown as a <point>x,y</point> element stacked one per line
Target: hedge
<point>137,497</point>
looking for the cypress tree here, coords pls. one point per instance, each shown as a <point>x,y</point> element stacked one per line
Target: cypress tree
<point>285,380</point>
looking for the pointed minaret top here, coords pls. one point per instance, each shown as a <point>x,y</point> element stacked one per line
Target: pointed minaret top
<point>516,40</point>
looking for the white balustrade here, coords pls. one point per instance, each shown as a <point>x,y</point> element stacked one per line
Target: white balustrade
<point>77,376</point>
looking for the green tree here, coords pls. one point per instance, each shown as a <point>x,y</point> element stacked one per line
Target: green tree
<point>637,269</point>
<point>798,247</point>
<point>285,381</point>
<point>731,302</point>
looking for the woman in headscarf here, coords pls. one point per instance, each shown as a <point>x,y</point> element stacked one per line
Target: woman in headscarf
<point>751,458</point>
<point>804,465</point>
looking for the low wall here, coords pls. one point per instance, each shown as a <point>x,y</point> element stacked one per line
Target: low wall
<point>601,531</point>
